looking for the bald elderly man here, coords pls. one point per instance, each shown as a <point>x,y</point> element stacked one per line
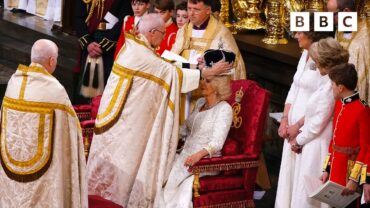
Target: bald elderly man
<point>42,157</point>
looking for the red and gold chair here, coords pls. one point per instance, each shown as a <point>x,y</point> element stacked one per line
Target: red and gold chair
<point>234,186</point>
<point>86,113</point>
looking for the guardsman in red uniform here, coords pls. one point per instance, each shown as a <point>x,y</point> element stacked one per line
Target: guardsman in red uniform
<point>140,8</point>
<point>97,24</point>
<point>351,135</point>
<point>165,8</point>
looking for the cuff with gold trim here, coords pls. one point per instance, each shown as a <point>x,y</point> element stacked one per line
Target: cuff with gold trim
<point>84,41</point>
<point>326,166</point>
<point>356,171</point>
<point>107,44</point>
<point>365,175</point>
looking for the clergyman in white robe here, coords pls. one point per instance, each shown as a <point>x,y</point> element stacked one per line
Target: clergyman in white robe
<point>136,130</point>
<point>42,155</point>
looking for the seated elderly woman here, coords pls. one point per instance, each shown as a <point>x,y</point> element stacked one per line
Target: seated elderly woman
<point>205,132</point>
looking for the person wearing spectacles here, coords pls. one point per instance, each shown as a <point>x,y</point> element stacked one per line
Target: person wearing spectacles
<point>137,126</point>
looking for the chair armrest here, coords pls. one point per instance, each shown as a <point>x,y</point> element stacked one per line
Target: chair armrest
<point>224,163</point>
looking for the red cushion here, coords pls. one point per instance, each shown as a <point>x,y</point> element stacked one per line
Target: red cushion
<point>217,183</point>
<point>95,102</point>
<point>99,202</point>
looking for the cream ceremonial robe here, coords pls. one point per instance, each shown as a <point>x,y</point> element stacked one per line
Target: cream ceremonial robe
<point>136,130</point>
<point>42,155</point>
<point>305,83</point>
<point>191,44</point>
<point>358,46</point>
<point>315,138</point>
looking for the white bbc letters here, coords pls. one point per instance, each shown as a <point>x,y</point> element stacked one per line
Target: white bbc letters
<point>324,21</point>
<point>299,21</point>
<point>347,21</point>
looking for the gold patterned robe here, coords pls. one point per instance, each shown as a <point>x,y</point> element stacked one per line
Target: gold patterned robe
<point>215,36</point>
<point>42,156</point>
<point>358,46</point>
<point>136,130</point>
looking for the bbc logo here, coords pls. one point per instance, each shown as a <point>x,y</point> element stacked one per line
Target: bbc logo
<point>324,21</point>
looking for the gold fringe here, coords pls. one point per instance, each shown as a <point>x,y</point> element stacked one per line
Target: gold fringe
<point>237,204</point>
<point>225,167</point>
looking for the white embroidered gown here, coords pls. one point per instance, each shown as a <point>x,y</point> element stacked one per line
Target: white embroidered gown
<point>315,138</point>
<point>203,130</point>
<point>305,82</point>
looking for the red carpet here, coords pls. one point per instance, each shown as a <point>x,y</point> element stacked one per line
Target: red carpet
<point>99,202</point>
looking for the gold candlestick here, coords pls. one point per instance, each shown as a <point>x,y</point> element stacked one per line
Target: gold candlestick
<point>315,5</point>
<point>274,25</point>
<point>224,13</point>
<point>251,19</point>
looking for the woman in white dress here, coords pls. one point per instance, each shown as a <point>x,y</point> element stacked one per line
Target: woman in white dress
<point>305,83</point>
<point>317,125</point>
<point>205,132</point>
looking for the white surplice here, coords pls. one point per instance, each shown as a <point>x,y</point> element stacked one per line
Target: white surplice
<point>42,155</point>
<point>315,138</point>
<point>202,130</point>
<point>136,130</point>
<point>305,82</point>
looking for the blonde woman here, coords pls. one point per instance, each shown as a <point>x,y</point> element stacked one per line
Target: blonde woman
<point>205,132</point>
<point>316,126</point>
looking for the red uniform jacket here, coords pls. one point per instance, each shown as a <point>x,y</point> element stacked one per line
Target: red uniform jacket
<point>350,143</point>
<point>169,39</point>
<point>128,26</point>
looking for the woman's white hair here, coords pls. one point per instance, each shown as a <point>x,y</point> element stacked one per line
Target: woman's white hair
<point>42,50</point>
<point>149,22</point>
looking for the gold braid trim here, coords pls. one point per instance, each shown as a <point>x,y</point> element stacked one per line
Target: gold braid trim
<point>326,162</point>
<point>363,174</point>
<point>237,204</point>
<point>17,105</point>
<point>225,167</point>
<point>356,171</point>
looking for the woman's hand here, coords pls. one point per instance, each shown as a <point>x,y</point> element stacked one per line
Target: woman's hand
<point>293,131</point>
<point>295,147</point>
<point>283,128</point>
<point>192,159</point>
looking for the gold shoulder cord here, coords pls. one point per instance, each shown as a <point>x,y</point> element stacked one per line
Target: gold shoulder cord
<point>94,3</point>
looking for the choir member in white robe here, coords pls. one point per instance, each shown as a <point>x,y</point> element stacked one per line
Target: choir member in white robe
<point>42,155</point>
<point>305,83</point>
<point>136,130</point>
<point>205,132</point>
<point>317,126</point>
